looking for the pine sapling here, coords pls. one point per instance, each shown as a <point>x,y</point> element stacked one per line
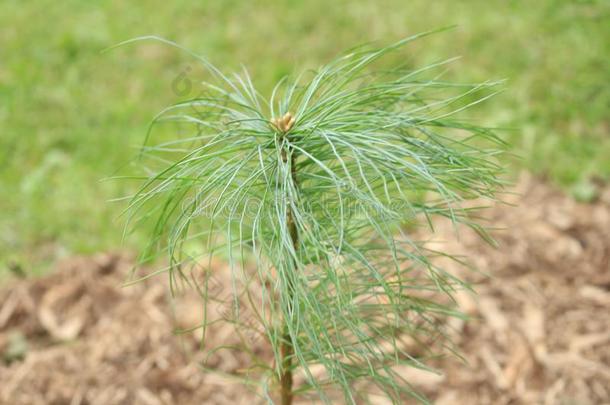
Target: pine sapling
<point>312,196</point>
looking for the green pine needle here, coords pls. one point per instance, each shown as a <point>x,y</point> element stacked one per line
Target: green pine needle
<point>368,152</point>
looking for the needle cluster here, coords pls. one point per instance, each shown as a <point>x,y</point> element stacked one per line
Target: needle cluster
<point>317,209</point>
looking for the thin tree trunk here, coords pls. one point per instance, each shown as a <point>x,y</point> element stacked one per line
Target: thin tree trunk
<point>286,349</point>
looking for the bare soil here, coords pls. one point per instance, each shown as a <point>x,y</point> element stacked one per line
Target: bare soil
<point>539,334</point>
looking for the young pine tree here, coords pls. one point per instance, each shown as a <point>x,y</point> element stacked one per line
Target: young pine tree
<point>317,187</point>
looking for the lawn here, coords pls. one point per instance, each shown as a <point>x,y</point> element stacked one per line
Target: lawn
<point>71,115</point>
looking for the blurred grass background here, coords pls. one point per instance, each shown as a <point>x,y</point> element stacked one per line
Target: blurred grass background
<point>70,115</point>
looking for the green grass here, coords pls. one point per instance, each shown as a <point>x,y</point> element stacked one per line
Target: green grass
<point>68,112</point>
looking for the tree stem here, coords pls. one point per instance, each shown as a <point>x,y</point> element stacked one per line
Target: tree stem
<point>286,349</point>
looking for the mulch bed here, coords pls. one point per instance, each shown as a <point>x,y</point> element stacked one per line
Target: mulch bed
<point>539,334</point>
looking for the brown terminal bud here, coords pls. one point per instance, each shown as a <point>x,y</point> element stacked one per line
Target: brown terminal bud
<point>285,123</point>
